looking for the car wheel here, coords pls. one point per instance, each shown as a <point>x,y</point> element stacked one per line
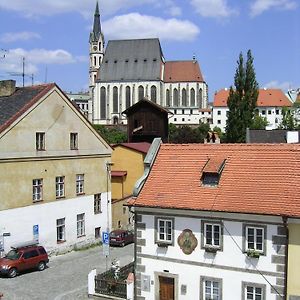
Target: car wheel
<point>12,273</point>
<point>41,266</point>
<point>122,244</point>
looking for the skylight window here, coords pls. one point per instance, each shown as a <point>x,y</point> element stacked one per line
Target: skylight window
<point>212,171</point>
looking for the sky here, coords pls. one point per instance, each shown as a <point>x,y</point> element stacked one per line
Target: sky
<point>53,37</point>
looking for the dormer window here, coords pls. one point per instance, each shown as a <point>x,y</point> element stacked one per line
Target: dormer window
<point>212,171</point>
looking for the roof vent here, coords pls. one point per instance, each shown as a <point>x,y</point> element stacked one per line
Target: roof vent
<point>7,87</point>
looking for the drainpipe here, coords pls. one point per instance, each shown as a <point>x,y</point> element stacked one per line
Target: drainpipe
<point>284,220</point>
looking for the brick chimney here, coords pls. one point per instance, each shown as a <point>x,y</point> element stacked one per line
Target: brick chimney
<point>7,87</point>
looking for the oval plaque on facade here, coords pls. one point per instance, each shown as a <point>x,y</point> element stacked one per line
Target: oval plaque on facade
<point>187,241</point>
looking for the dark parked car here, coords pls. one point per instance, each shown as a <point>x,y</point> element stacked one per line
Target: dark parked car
<point>121,237</point>
<point>23,257</point>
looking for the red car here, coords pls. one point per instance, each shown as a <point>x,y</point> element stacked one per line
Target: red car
<point>120,237</point>
<point>23,257</point>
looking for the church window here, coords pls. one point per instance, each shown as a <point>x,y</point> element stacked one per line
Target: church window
<point>184,100</point>
<point>175,97</point>
<point>95,62</point>
<point>128,96</point>
<point>168,99</point>
<point>102,103</point>
<point>99,61</point>
<point>99,45</point>
<point>192,97</point>
<point>141,92</point>
<point>115,99</point>
<point>95,77</point>
<point>153,93</point>
<point>200,99</point>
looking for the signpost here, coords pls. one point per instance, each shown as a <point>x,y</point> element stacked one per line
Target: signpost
<point>105,244</point>
<point>35,230</point>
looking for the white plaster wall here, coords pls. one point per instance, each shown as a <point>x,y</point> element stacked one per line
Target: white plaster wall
<point>219,120</point>
<point>190,276</point>
<point>273,118</point>
<point>231,257</point>
<point>19,222</point>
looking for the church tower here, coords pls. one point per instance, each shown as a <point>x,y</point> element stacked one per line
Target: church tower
<point>96,48</point>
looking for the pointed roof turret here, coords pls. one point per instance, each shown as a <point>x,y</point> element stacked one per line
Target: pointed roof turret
<point>95,34</point>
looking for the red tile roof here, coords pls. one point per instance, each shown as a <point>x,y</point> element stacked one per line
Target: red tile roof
<point>182,71</point>
<point>256,178</point>
<point>140,147</point>
<point>266,97</point>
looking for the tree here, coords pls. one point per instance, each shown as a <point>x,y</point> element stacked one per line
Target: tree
<point>242,100</point>
<point>288,121</point>
<point>112,135</point>
<point>259,122</point>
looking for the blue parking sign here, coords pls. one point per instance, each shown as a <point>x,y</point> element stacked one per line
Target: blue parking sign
<point>105,238</point>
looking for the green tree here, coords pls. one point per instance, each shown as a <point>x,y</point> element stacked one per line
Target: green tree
<point>259,122</point>
<point>288,121</point>
<point>113,135</point>
<point>242,100</point>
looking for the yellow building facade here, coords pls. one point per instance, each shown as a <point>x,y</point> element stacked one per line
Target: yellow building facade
<point>53,171</point>
<point>127,168</point>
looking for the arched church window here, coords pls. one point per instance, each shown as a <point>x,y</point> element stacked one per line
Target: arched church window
<point>141,92</point>
<point>99,60</point>
<point>95,62</point>
<point>175,97</point>
<point>153,93</point>
<point>192,97</point>
<point>115,99</point>
<point>168,99</point>
<point>99,46</point>
<point>199,104</point>
<point>103,103</point>
<point>128,97</point>
<point>184,100</point>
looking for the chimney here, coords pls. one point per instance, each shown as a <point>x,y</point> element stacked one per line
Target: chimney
<point>7,87</point>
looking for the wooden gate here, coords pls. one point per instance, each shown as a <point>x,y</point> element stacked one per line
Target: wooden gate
<point>166,288</point>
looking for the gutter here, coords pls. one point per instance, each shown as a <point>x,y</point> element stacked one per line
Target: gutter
<point>284,219</point>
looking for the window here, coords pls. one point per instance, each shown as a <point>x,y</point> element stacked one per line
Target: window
<point>175,97</point>
<point>153,93</point>
<point>254,238</point>
<point>219,121</point>
<point>40,141</point>
<point>253,291</point>
<point>30,254</point>
<point>219,112</point>
<point>269,112</point>
<point>140,92</point>
<point>97,232</point>
<point>80,225</point>
<point>60,186</point>
<point>168,98</point>
<point>164,231</point>
<point>79,184</point>
<point>211,288</point>
<point>192,95</point>
<point>212,235</point>
<point>115,99</point>
<point>128,97</point>
<point>97,204</point>
<point>60,230</point>
<point>263,112</point>
<point>184,97</point>
<point>277,111</point>
<point>73,140</point>
<point>102,103</point>
<point>37,190</point>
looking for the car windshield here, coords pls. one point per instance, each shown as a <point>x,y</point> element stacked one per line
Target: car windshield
<point>13,255</point>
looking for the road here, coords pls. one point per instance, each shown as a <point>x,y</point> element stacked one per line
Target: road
<point>65,278</point>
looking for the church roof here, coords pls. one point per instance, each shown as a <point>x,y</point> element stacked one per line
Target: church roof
<point>126,60</point>
<point>95,34</point>
<point>182,71</point>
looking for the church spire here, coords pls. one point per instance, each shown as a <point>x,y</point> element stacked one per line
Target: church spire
<point>95,34</point>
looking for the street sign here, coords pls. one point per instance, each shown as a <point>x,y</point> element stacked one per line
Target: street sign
<point>105,249</point>
<point>35,230</point>
<point>105,238</point>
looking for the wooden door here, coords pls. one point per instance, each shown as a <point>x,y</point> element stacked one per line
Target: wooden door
<point>166,288</point>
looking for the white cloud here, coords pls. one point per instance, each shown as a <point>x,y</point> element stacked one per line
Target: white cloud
<point>279,85</point>
<point>10,37</point>
<point>12,63</point>
<point>135,25</point>
<point>213,8</point>
<point>260,6</point>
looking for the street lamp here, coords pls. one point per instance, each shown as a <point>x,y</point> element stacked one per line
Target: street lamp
<point>108,172</point>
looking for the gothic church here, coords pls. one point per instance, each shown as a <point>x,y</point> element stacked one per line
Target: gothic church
<point>128,70</point>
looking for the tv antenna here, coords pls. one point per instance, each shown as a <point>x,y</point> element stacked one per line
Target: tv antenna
<point>23,73</point>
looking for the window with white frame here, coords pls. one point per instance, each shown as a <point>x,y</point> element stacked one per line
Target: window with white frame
<point>79,184</point>
<point>40,141</point>
<point>73,140</point>
<point>60,230</point>
<point>80,225</point>
<point>60,186</point>
<point>253,291</point>
<point>254,238</point>
<point>164,230</point>
<point>97,204</point>
<point>37,190</point>
<point>212,235</point>
<point>211,288</point>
